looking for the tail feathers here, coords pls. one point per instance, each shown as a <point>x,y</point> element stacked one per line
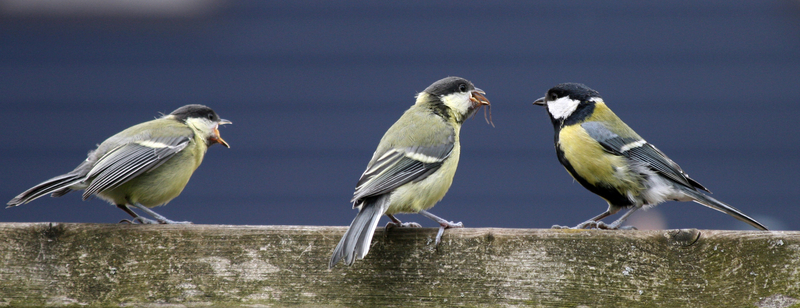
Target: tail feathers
<point>58,186</point>
<point>356,241</point>
<point>710,202</point>
<point>61,192</point>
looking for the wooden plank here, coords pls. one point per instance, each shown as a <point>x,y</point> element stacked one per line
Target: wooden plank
<point>201,265</point>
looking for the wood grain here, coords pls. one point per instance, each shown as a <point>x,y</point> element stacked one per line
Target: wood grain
<point>275,266</point>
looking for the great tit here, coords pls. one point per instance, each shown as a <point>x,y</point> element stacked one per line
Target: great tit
<point>414,164</point>
<point>145,165</point>
<point>609,159</point>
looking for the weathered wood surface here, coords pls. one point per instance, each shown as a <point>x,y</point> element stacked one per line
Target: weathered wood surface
<point>275,266</point>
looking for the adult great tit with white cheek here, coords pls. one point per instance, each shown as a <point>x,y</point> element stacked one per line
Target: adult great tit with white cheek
<point>414,164</point>
<point>144,166</point>
<point>609,159</point>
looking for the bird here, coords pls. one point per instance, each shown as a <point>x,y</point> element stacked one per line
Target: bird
<point>611,160</point>
<point>143,166</point>
<point>413,166</point>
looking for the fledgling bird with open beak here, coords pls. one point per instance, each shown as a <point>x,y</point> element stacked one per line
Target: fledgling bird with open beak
<point>611,160</point>
<point>414,164</point>
<point>144,166</point>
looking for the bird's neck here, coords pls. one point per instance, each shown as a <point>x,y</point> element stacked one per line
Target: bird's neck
<point>580,115</point>
<point>437,107</point>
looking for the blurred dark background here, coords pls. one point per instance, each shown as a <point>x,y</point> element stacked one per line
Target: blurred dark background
<point>311,87</point>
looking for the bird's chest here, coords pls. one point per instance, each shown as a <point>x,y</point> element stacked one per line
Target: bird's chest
<point>586,160</point>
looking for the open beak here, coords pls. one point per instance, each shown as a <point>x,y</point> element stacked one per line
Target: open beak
<point>217,138</point>
<point>540,102</point>
<point>480,100</point>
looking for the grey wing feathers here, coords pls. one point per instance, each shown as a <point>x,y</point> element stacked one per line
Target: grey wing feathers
<point>665,166</point>
<point>130,160</point>
<point>610,140</point>
<point>640,150</point>
<point>400,166</point>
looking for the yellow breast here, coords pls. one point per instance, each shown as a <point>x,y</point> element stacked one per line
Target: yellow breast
<point>592,163</point>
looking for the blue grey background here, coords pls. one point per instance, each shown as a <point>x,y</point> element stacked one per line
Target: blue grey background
<point>311,88</point>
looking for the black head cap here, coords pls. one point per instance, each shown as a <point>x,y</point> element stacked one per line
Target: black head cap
<point>576,91</point>
<point>449,85</point>
<point>195,111</point>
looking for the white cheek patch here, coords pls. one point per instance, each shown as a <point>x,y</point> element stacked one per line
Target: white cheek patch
<point>563,107</point>
<point>203,125</point>
<point>459,102</point>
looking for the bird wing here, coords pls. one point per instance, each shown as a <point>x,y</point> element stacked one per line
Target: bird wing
<point>129,160</point>
<point>401,165</point>
<point>639,150</point>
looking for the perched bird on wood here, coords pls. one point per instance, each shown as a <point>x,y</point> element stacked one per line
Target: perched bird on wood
<point>414,164</point>
<point>609,159</point>
<point>144,166</point>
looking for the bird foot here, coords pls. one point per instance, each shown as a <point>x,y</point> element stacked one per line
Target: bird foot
<point>584,225</point>
<point>592,225</point>
<point>595,225</point>
<point>142,220</point>
<point>446,225</point>
<point>450,224</point>
<point>172,222</point>
<point>159,219</point>
<point>392,224</point>
<point>147,221</point>
<point>614,226</point>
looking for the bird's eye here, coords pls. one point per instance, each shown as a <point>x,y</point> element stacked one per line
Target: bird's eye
<point>211,116</point>
<point>462,87</point>
<point>553,96</point>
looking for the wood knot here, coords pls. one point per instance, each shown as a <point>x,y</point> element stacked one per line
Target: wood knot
<point>683,237</point>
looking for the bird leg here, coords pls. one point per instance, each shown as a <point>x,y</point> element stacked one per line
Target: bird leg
<point>616,224</point>
<point>136,218</point>
<point>589,224</point>
<point>397,223</point>
<point>595,222</point>
<point>158,217</point>
<point>443,224</point>
<point>127,210</point>
<point>144,221</point>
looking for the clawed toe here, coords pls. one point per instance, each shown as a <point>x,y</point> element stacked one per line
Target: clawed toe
<point>599,225</point>
<point>144,221</point>
<point>451,224</point>
<point>172,222</point>
<point>446,225</point>
<point>391,224</point>
<point>147,221</point>
<point>590,225</point>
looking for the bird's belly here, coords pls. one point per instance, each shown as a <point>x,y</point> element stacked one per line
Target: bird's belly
<point>422,195</point>
<point>154,188</point>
